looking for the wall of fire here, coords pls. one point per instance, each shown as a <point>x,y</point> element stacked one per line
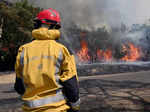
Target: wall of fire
<point>100,45</point>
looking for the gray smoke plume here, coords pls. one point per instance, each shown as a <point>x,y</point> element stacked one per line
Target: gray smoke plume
<point>99,12</point>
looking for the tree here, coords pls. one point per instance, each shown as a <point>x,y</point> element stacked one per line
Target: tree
<point>16,29</point>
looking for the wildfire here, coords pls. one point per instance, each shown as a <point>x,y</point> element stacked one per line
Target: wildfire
<point>84,56</point>
<point>133,53</point>
<point>104,55</point>
<point>83,53</point>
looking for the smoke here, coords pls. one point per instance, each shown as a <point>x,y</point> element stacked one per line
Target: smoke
<point>99,12</point>
<point>133,11</point>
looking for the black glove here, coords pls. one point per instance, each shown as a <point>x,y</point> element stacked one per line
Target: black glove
<point>71,110</point>
<point>74,107</point>
<point>19,86</point>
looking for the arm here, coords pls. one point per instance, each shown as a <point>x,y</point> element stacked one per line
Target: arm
<point>69,80</point>
<point>19,85</point>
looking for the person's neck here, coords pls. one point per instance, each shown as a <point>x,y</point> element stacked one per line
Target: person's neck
<point>44,26</point>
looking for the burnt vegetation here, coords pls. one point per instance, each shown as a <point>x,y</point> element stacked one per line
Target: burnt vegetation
<point>115,42</point>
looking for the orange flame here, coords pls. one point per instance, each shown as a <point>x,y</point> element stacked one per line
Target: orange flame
<point>104,55</point>
<point>83,52</point>
<point>108,55</point>
<point>100,54</point>
<point>133,53</point>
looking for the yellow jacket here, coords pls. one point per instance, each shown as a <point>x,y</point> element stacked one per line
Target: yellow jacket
<point>44,69</point>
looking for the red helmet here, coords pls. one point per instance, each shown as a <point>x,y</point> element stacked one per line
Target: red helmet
<point>50,17</point>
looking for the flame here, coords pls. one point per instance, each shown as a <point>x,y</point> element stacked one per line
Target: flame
<point>108,55</point>
<point>133,53</point>
<point>100,54</point>
<point>83,52</point>
<point>104,55</point>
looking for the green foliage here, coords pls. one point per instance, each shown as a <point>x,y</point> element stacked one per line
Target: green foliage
<point>17,24</point>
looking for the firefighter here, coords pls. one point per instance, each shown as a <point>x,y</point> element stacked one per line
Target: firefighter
<point>46,76</point>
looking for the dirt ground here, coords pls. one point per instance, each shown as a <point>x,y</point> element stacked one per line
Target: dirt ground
<point>97,95</point>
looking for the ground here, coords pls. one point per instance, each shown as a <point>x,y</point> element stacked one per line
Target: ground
<point>126,92</point>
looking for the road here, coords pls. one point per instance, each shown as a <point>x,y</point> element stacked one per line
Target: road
<point>110,93</point>
<point>143,76</point>
<point>124,92</point>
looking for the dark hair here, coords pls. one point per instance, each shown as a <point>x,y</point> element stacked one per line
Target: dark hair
<point>54,25</point>
<point>37,24</point>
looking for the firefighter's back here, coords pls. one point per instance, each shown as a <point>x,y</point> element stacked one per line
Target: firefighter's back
<point>42,60</point>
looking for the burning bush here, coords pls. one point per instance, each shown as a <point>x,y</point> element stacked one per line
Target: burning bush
<point>101,45</point>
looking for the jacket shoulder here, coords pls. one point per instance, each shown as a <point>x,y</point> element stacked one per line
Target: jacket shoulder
<point>65,47</point>
<point>24,46</point>
<point>27,44</point>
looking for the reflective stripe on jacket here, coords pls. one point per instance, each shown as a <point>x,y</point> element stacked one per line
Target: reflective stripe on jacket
<point>44,66</point>
<point>46,100</point>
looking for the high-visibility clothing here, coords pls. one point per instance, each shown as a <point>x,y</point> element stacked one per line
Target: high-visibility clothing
<point>46,74</point>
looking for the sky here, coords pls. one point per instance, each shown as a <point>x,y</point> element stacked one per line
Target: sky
<point>133,11</point>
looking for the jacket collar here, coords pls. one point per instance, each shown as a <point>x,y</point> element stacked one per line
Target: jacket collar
<point>45,34</point>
